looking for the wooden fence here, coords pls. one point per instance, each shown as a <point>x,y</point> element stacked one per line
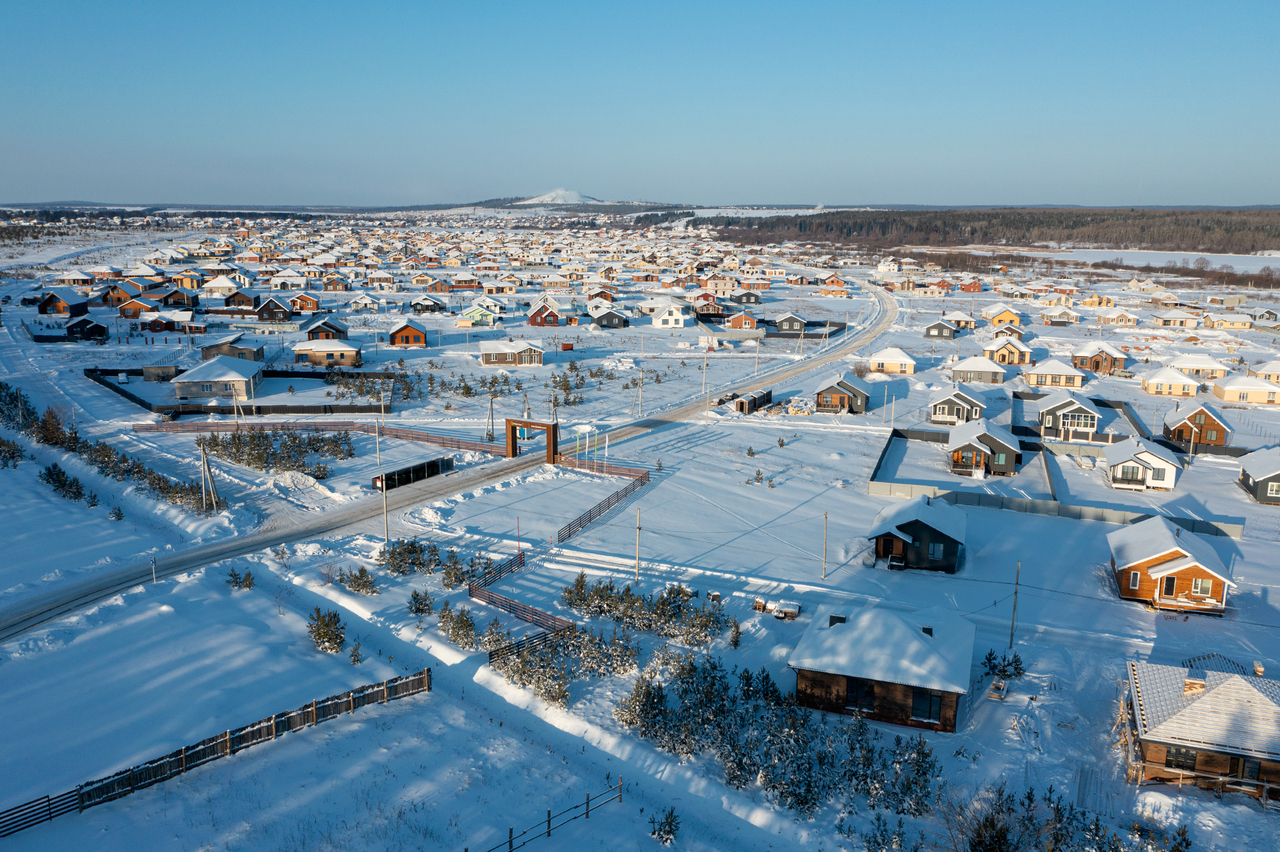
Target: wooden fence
<point>502,569</point>
<point>524,612</point>
<point>602,467</point>
<point>575,526</point>
<point>332,426</point>
<point>218,746</point>
<point>543,829</point>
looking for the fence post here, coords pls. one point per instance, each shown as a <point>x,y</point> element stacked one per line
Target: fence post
<point>548,822</point>
<point>313,714</point>
<point>511,836</point>
<point>227,735</point>
<point>351,700</point>
<point>619,789</point>
<point>273,726</point>
<point>588,804</point>
<point>184,758</point>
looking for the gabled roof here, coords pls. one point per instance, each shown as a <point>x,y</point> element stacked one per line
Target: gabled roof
<point>1158,536</point>
<point>1261,464</point>
<point>1247,383</point>
<point>1196,361</point>
<point>1001,342</point>
<point>1053,367</point>
<point>847,380</point>
<point>892,353</point>
<point>1169,376</point>
<point>966,393</point>
<point>221,368</point>
<point>1182,412</point>
<point>1064,400</point>
<point>972,432</point>
<point>890,647</point>
<point>978,364</point>
<point>493,347</point>
<point>410,324</point>
<point>941,322</point>
<point>932,512</point>
<point>1233,714</point>
<point>1130,448</point>
<point>1090,349</point>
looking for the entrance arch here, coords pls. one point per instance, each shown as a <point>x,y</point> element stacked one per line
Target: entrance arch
<point>552,430</point>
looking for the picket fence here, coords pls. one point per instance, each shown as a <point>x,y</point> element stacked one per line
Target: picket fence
<point>221,745</point>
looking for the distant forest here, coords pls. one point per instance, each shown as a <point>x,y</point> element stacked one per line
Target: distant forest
<point>1208,231</point>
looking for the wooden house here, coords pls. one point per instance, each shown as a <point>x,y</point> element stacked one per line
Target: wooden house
<point>510,353</point>
<point>1167,381</point>
<point>790,323</point>
<point>1191,422</point>
<point>1260,475</point>
<point>1099,357</point>
<point>120,292</point>
<point>408,334</point>
<point>745,297</point>
<point>980,447</point>
<point>545,315</point>
<point>1118,316</point>
<point>1247,389</point>
<point>1207,723</point>
<point>304,303</point>
<point>742,321</point>
<point>843,393</point>
<point>1052,374</point>
<point>63,302</point>
<point>1008,331</point>
<point>1159,563</point>
<point>325,328</point>
<point>232,347</point>
<point>925,533</point>
<point>958,404</point>
<point>1136,464</point>
<point>425,304</point>
<point>910,669</point>
<point>611,318</point>
<point>136,307</point>
<point>274,310</point>
<point>86,328</point>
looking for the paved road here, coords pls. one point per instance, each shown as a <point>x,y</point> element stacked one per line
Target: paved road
<point>290,527</point>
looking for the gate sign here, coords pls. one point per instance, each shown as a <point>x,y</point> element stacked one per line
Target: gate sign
<point>414,473</point>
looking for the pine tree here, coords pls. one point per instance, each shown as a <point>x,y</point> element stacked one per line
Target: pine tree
<point>751,452</point>
<point>356,657</point>
<point>421,603</point>
<point>327,631</point>
<point>116,513</point>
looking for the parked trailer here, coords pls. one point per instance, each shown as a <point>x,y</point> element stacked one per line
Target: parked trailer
<point>414,473</point>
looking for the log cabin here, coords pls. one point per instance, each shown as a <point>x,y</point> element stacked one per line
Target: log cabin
<point>910,669</point>
<point>1191,422</point>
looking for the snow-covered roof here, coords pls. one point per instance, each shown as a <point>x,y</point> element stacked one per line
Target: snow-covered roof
<point>1168,376</point>
<point>494,347</point>
<point>1096,346</point>
<point>1197,361</point>
<point>848,379</point>
<point>1247,383</point>
<point>1059,397</point>
<point>221,368</point>
<point>957,316</point>
<point>970,432</point>
<point>1261,464</point>
<point>324,346</point>
<point>1233,713</point>
<point>1269,367</point>
<point>966,392</point>
<point>931,511</point>
<point>1131,448</point>
<point>1182,412</point>
<point>893,354</point>
<point>1158,536</point>
<point>1001,342</point>
<point>890,647</point>
<point>1053,367</point>
<point>978,364</point>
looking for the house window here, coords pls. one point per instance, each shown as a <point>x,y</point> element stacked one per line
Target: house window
<point>933,332</point>
<point>940,410</point>
<point>1211,435</point>
<point>1180,758</point>
<point>1202,587</point>
<point>1040,380</point>
<point>206,388</point>
<point>1134,579</point>
<point>329,356</point>
<point>861,695</point>
<point>1242,397</point>
<point>1273,489</point>
<point>1198,419</point>
<point>1170,586</point>
<point>935,550</point>
<point>926,705</point>
<point>1131,472</point>
<point>998,458</point>
<point>826,399</point>
<point>1157,474</point>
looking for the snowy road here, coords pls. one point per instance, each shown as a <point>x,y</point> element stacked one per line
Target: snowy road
<point>292,526</point>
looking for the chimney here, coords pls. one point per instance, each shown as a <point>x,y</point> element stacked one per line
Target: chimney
<point>835,619</point>
<point>1177,532</point>
<point>927,631</point>
<point>1258,669</point>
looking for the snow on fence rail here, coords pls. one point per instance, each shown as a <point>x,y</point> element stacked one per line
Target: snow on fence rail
<point>127,781</point>
<point>417,435</point>
<point>639,479</point>
<point>543,829</point>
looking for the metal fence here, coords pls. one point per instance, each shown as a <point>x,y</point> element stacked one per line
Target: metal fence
<point>530,643</point>
<point>524,612</point>
<point>543,829</point>
<point>218,746</point>
<point>502,569</point>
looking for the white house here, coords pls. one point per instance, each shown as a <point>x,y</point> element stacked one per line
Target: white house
<point>1139,465</point>
<point>672,316</point>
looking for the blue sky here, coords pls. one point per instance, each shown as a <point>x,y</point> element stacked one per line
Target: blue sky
<point>836,103</point>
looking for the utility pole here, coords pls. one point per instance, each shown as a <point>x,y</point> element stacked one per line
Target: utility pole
<point>824,545</point>
<point>1013,619</point>
<point>637,547</point>
<point>382,480</point>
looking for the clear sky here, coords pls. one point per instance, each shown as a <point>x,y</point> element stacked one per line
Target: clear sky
<point>385,103</point>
